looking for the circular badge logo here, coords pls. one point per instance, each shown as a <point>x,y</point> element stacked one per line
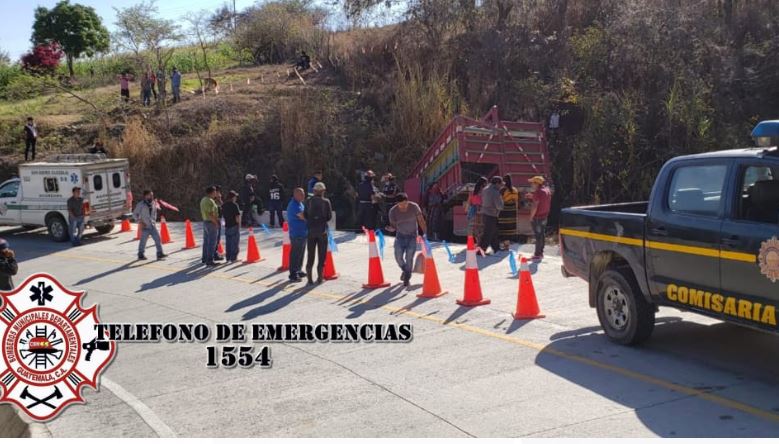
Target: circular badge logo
<point>769,259</point>
<point>49,346</point>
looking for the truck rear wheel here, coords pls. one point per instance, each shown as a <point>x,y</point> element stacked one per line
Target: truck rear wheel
<point>105,229</point>
<point>58,228</point>
<point>625,315</point>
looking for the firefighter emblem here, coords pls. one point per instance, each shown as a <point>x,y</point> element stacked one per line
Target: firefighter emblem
<point>769,259</point>
<point>50,347</point>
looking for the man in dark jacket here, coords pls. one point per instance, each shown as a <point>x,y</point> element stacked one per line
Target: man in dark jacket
<point>30,139</point>
<point>366,207</point>
<point>275,201</point>
<point>248,189</point>
<point>8,266</point>
<point>319,211</point>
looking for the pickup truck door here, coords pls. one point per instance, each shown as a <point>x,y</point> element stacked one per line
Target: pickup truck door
<point>683,229</point>
<point>9,202</point>
<point>750,243</point>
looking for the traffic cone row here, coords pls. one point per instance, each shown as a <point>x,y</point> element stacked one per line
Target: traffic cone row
<point>527,302</point>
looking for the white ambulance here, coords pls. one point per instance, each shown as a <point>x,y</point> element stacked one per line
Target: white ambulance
<point>38,197</point>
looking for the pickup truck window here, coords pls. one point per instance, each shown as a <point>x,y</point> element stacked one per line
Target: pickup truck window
<point>697,189</point>
<point>759,197</point>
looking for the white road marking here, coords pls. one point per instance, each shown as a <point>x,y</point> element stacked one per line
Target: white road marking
<point>149,417</point>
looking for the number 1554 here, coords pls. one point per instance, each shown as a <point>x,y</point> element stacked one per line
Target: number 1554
<point>243,356</point>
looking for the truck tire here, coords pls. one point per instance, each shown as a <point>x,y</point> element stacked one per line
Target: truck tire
<point>625,315</point>
<point>105,229</point>
<point>58,228</point>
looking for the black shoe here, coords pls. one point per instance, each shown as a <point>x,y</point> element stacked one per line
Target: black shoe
<point>302,274</point>
<point>141,257</point>
<point>218,258</point>
<point>294,279</point>
<point>161,256</point>
<point>310,282</point>
<point>406,282</point>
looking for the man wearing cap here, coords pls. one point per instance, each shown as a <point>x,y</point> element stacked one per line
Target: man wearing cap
<point>405,219</point>
<point>8,266</point>
<point>146,215</point>
<point>366,207</point>
<point>298,232</point>
<point>275,199</point>
<point>318,212</point>
<point>541,198</point>
<point>250,180</point>
<point>491,206</point>
<point>75,216</point>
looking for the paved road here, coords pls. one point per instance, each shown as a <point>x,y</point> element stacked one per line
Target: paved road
<point>468,372</point>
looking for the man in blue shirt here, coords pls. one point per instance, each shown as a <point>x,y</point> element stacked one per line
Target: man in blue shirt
<point>298,232</point>
<point>175,83</point>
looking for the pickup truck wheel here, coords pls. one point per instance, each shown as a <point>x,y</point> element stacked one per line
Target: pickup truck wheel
<point>58,228</point>
<point>105,229</point>
<point>624,313</point>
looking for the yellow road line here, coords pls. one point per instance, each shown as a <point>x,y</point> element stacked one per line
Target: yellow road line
<point>541,348</point>
<point>665,246</point>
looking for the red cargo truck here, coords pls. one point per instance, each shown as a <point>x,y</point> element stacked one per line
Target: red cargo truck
<point>469,148</point>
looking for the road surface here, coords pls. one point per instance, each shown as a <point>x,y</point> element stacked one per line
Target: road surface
<point>467,372</point>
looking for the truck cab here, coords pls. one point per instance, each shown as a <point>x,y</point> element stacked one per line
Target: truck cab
<point>706,241</point>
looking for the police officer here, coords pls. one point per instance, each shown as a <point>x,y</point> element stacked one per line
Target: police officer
<point>366,196</point>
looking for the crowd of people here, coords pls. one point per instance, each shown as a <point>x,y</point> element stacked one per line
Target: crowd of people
<point>153,85</point>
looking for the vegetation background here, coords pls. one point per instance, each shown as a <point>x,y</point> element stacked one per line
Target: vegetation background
<point>636,82</point>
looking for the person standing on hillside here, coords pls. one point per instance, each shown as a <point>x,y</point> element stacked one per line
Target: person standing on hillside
<point>30,139</point>
<point>541,198</point>
<point>8,266</point>
<point>318,213</point>
<point>275,199</point>
<point>405,219</point>
<point>491,206</point>
<point>146,89</point>
<point>153,82</point>
<point>232,217</point>
<point>247,190</point>
<point>316,178</point>
<point>209,211</point>
<point>146,215</point>
<point>175,84</point>
<point>124,86</point>
<point>366,196</point>
<point>75,206</point>
<point>297,234</point>
<point>161,84</point>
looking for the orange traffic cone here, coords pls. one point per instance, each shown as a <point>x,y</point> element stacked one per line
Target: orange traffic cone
<point>126,226</point>
<point>190,237</point>
<point>375,274</point>
<point>472,296</point>
<point>286,247</point>
<point>431,287</point>
<point>252,250</point>
<point>164,233</point>
<point>527,304</point>
<point>329,273</point>
<point>138,232</point>
<point>220,249</point>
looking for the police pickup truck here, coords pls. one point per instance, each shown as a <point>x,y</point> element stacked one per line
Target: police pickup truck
<point>706,241</point>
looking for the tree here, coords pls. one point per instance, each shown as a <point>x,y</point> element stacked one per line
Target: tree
<point>139,29</point>
<point>43,59</point>
<point>202,34</point>
<point>77,28</point>
<point>5,58</point>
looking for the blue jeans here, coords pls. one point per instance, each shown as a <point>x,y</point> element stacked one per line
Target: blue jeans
<point>210,231</point>
<point>539,232</point>
<point>275,209</point>
<point>405,247</point>
<point>297,251</point>
<point>75,229</point>
<point>155,236</point>
<point>232,239</point>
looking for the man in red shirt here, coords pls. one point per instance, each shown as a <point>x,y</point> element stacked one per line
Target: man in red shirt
<point>541,198</point>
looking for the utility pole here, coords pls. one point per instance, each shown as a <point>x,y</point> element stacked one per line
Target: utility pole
<point>234,15</point>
